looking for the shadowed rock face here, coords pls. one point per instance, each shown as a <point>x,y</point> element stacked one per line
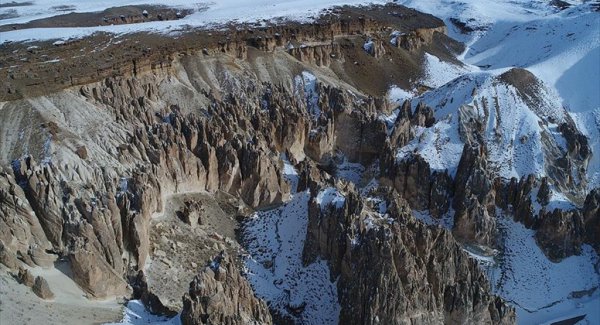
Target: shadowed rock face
<point>393,269</point>
<point>561,233</point>
<point>219,294</point>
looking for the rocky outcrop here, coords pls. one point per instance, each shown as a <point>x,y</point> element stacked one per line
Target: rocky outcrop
<point>25,277</point>
<point>38,284</point>
<point>98,217</point>
<point>591,218</point>
<point>561,233</point>
<point>151,301</point>
<point>311,41</point>
<point>21,233</point>
<point>214,113</point>
<point>422,187</point>
<point>41,288</point>
<point>474,197</point>
<point>190,213</point>
<point>393,269</point>
<point>219,294</point>
<point>412,177</point>
<point>516,196</point>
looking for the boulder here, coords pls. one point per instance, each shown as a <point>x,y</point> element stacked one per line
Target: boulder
<point>41,288</point>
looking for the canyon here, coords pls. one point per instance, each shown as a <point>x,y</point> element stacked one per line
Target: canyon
<point>263,174</point>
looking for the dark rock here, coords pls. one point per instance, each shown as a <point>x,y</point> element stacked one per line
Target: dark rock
<point>24,277</point>
<point>400,271</point>
<point>474,198</point>
<point>190,213</point>
<point>82,152</point>
<point>220,295</point>
<point>560,234</point>
<point>41,289</point>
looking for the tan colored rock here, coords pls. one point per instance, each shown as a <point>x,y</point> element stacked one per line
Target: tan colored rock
<point>220,295</point>
<point>81,151</point>
<point>21,233</point>
<point>25,277</point>
<point>94,275</point>
<point>41,288</point>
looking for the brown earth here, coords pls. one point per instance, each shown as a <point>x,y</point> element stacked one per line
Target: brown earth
<point>36,68</point>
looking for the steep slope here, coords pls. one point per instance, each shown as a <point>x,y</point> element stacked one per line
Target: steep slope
<point>541,121</point>
<point>96,166</point>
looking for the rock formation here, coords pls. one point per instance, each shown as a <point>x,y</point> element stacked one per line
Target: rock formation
<point>95,153</point>
<point>219,294</point>
<point>41,288</point>
<point>393,269</point>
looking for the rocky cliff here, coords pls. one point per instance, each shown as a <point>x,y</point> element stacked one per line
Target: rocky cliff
<point>220,295</point>
<point>393,269</point>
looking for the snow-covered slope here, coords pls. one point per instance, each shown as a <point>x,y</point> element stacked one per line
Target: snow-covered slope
<point>204,14</point>
<point>136,314</point>
<point>562,50</point>
<point>541,290</point>
<point>275,240</point>
<point>513,127</point>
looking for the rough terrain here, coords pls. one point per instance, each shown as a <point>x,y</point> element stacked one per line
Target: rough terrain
<point>153,167</point>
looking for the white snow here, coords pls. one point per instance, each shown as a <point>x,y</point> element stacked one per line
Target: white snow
<point>205,14</point>
<point>349,171</point>
<point>306,86</point>
<point>369,47</point>
<point>445,221</point>
<point>563,50</point>
<point>513,132</point>
<point>274,265</point>
<point>330,196</point>
<point>539,288</point>
<point>438,72</point>
<point>290,173</point>
<point>482,257</point>
<point>377,220</point>
<point>398,95</point>
<point>439,145</point>
<point>136,314</point>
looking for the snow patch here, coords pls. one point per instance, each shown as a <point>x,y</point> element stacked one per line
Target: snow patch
<point>330,196</point>
<point>445,221</point>
<point>136,314</point>
<point>540,289</point>
<point>438,72</point>
<point>274,267</point>
<point>204,15</point>
<point>439,145</point>
<point>349,171</point>
<point>307,83</point>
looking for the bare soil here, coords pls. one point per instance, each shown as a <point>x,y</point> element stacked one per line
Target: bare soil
<point>179,251</point>
<point>38,68</point>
